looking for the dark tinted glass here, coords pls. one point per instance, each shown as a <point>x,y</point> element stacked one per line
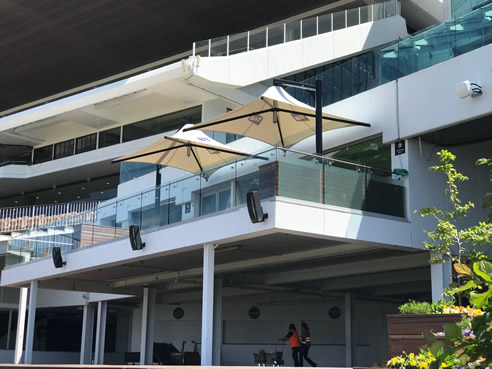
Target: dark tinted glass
<point>63,149</point>
<point>109,137</point>
<point>86,143</point>
<point>43,154</point>
<point>164,123</point>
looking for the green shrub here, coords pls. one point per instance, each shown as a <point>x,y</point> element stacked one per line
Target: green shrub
<point>416,307</point>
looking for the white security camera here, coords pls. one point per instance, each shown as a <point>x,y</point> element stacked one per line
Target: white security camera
<point>465,89</point>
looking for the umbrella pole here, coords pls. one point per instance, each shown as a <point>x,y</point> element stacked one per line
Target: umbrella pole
<point>157,204</point>
<point>319,117</point>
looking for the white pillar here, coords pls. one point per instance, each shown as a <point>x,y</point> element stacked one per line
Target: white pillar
<point>21,321</point>
<point>440,278</point>
<point>149,339</point>
<point>102,308</point>
<point>348,329</point>
<point>31,321</point>
<point>217,333</point>
<point>87,334</point>
<point>208,303</point>
<point>143,333</point>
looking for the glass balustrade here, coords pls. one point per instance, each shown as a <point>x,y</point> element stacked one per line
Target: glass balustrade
<point>295,30</point>
<point>279,172</point>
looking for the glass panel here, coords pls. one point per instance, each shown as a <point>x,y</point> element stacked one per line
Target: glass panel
<point>468,33</point>
<point>201,48</point>
<point>344,185</point>
<point>179,204</point>
<point>151,211</point>
<point>390,8</point>
<point>85,143</point>
<point>275,35</point>
<point>378,11</point>
<point>64,149</point>
<point>300,177</point>
<point>324,23</point>
<point>238,43</point>
<point>388,64</point>
<point>257,39</point>
<point>338,20</point>
<point>219,46</point>
<point>308,27</point>
<point>43,154</point>
<point>385,195</point>
<point>487,25</point>
<point>352,17</point>
<point>15,154</point>
<point>365,14</point>
<point>161,124</point>
<point>293,31</point>
<point>109,137</point>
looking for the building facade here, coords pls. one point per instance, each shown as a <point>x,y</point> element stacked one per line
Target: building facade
<point>341,246</point>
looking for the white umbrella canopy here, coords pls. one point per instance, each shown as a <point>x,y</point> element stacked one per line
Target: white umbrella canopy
<point>276,118</point>
<point>192,151</point>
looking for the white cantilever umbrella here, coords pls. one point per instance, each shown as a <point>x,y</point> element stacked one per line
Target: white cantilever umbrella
<point>192,151</point>
<point>276,118</point>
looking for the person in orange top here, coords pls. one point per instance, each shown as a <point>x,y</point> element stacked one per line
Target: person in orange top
<point>295,344</point>
<point>306,344</point>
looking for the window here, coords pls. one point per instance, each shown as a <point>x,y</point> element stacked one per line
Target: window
<point>43,154</point>
<point>85,143</point>
<point>109,137</point>
<point>216,201</point>
<point>63,149</point>
<point>164,123</point>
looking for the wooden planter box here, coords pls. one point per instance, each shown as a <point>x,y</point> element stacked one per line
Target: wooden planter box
<point>405,332</point>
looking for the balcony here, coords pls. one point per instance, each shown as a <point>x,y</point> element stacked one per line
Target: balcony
<point>280,172</point>
<point>295,30</point>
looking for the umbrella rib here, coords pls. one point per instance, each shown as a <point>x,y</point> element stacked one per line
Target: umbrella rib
<point>224,150</point>
<point>228,120</point>
<point>148,153</point>
<point>194,155</point>
<point>280,131</point>
<point>341,120</point>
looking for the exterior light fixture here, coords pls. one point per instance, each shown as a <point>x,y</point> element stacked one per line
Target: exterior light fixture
<point>467,88</point>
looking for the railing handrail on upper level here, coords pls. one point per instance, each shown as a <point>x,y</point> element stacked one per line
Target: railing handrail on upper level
<point>222,45</point>
<point>23,218</point>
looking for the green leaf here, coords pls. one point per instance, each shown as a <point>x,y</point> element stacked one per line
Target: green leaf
<point>452,333</point>
<point>483,268</point>
<point>429,336</point>
<point>436,347</point>
<point>480,299</point>
<point>461,268</point>
<point>467,286</point>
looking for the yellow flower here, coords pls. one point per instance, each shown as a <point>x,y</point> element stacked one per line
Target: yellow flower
<point>413,362</point>
<point>421,357</point>
<point>411,355</point>
<point>402,360</point>
<point>394,360</point>
<point>443,365</point>
<point>423,365</point>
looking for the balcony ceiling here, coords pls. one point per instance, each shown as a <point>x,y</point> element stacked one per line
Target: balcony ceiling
<point>50,46</point>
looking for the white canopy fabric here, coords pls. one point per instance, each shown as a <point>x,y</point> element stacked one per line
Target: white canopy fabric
<point>192,151</point>
<point>276,118</point>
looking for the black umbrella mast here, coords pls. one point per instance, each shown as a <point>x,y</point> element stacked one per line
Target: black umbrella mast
<point>317,91</point>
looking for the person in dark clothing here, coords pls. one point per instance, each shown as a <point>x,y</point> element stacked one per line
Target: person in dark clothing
<point>306,344</point>
<point>295,344</point>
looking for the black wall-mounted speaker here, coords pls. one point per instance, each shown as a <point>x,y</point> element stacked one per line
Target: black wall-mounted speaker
<point>57,258</point>
<point>254,207</point>
<point>135,240</point>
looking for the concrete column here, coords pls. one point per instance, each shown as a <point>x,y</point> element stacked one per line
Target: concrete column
<point>87,334</point>
<point>21,321</point>
<point>143,333</point>
<point>440,278</point>
<point>348,329</point>
<point>31,321</point>
<point>149,339</point>
<point>102,308</point>
<point>208,303</point>
<point>217,333</point>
